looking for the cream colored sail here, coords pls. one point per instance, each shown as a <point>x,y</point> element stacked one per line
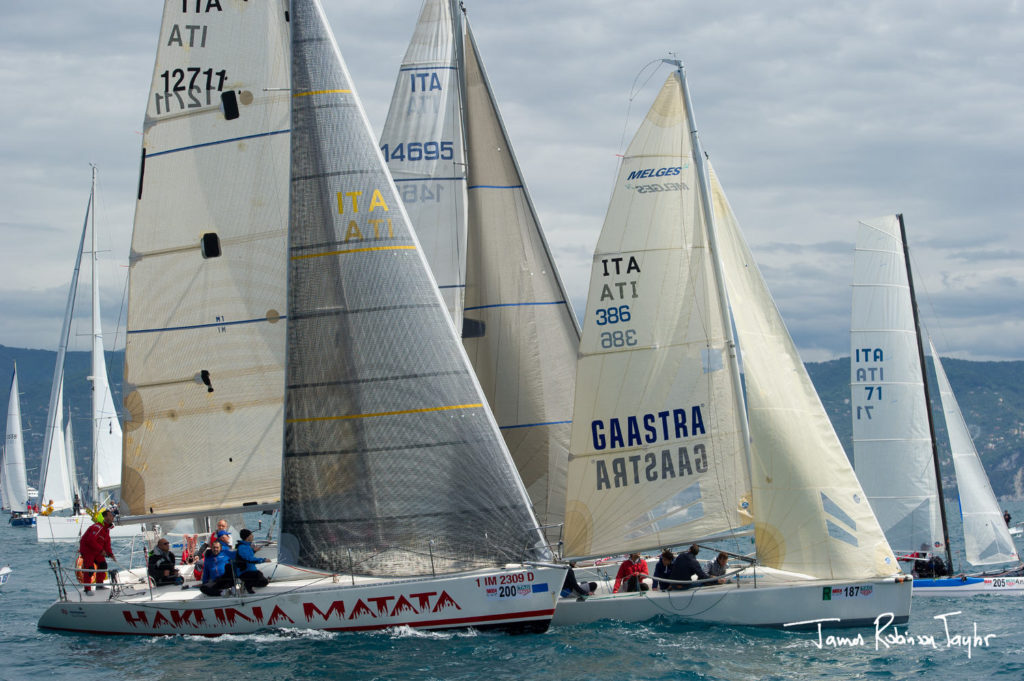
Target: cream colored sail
<point>204,374</point>
<point>811,515</point>
<point>657,456</point>
<point>520,330</point>
<point>987,540</point>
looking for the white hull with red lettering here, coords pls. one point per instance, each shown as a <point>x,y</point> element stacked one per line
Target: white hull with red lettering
<point>776,601</point>
<point>516,597</point>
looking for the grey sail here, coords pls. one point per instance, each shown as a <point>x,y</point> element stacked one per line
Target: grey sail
<point>393,464</point>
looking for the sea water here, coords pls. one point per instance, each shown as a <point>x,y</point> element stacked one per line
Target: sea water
<point>980,637</point>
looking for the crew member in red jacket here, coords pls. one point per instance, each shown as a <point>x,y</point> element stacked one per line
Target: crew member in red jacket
<point>95,548</point>
<point>632,571</point>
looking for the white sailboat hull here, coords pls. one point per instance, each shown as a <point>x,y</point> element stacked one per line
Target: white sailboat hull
<point>516,597</point>
<point>70,528</point>
<point>5,574</point>
<point>773,602</point>
<point>970,586</point>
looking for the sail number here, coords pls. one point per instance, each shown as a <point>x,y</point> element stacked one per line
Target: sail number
<point>188,88</point>
<point>422,192</point>
<point>418,151</point>
<point>612,315</point>
<point>618,339</point>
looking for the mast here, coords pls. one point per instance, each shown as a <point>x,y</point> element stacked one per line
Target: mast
<point>97,399</point>
<point>927,396</point>
<point>723,298</point>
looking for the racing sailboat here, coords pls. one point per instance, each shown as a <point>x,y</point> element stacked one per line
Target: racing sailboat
<point>400,505</point>
<point>668,449</point>
<point>895,450</point>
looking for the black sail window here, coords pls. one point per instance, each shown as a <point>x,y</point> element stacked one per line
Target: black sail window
<point>229,103</point>
<point>211,245</point>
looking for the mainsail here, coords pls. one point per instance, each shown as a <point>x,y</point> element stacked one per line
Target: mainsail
<point>204,356</point>
<point>657,454</point>
<point>393,464</point>
<point>986,538</point>
<point>452,160</point>
<point>15,485</point>
<point>892,440</point>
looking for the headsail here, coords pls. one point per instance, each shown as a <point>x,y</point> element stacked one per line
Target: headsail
<point>15,484</point>
<point>891,436</point>
<point>58,474</point>
<point>811,514</point>
<point>204,356</point>
<point>393,463</point>
<point>986,538</point>
<point>519,330</point>
<point>106,429</point>
<point>657,453</point>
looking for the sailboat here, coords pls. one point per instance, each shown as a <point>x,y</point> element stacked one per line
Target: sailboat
<point>15,485</point>
<point>400,505</point>
<point>895,452</point>
<point>665,449</point>
<point>450,156</point>
<point>60,482</point>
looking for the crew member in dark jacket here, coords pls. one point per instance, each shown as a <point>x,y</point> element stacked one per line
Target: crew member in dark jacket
<point>161,565</point>
<point>685,566</point>
<point>246,562</point>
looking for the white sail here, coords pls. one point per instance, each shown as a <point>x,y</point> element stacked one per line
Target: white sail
<point>57,481</point>
<point>15,484</point>
<point>69,452</point>
<point>811,514</point>
<point>204,356</point>
<point>518,328</point>
<point>657,454</point>
<point>986,538</point>
<point>106,430</point>
<point>422,143</point>
<point>891,438</point>
<point>393,464</point>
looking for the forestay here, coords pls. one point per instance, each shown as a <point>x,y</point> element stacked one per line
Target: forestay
<point>657,453</point>
<point>986,537</point>
<point>891,438</point>
<point>204,374</point>
<point>393,463</point>
<point>811,514</point>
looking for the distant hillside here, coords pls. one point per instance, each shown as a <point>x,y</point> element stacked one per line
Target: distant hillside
<point>991,395</point>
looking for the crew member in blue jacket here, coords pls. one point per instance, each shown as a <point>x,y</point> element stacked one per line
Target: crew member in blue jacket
<point>246,562</point>
<point>217,576</point>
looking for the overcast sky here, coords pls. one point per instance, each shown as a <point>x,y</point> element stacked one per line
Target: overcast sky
<point>814,114</point>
